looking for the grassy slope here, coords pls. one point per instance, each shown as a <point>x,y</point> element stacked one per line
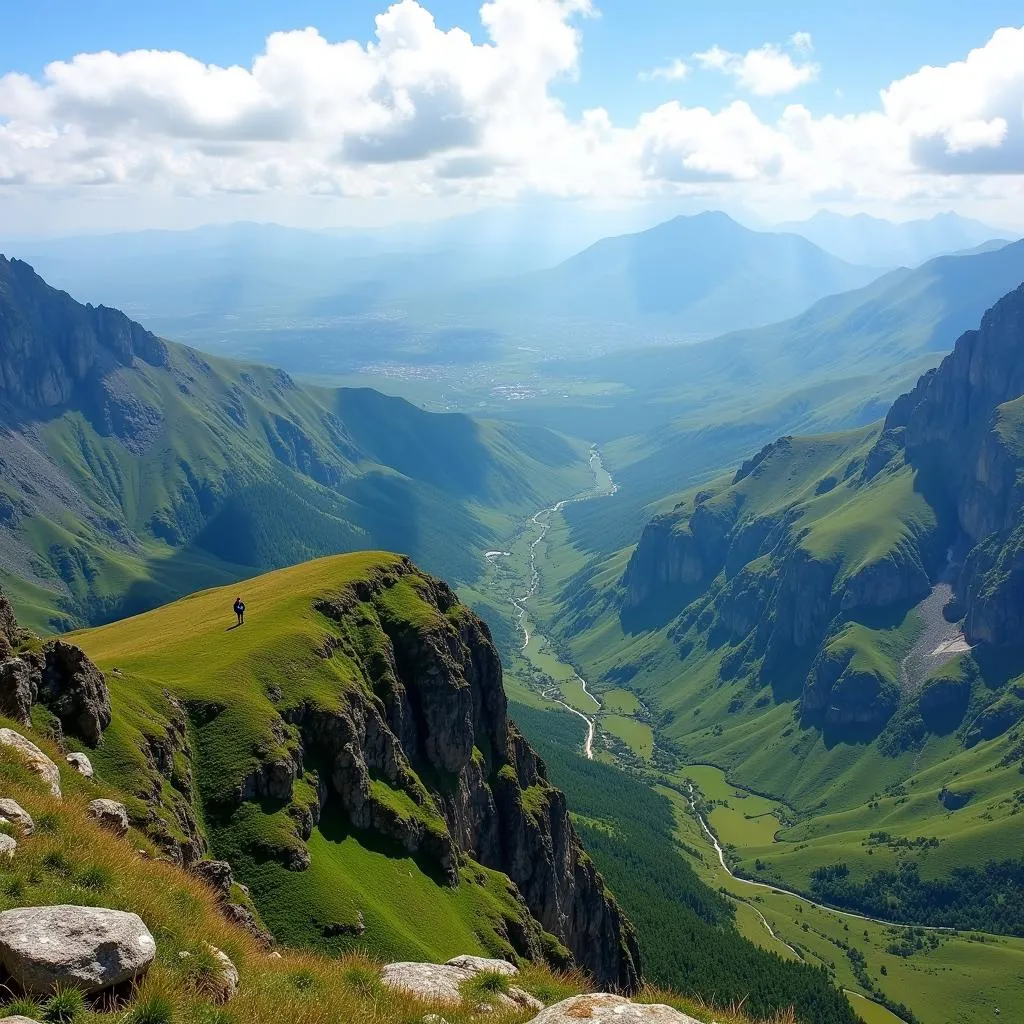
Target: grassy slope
<point>224,489</point>
<point>71,860</point>
<point>828,798</point>
<point>188,648</point>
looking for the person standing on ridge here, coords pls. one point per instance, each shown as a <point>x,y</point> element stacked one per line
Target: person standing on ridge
<point>239,607</point>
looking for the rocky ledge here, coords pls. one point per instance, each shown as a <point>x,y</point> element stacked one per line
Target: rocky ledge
<point>436,731</point>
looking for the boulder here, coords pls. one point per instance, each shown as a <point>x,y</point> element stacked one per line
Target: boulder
<point>223,983</point>
<point>11,811</point>
<point>17,690</point>
<point>81,764</point>
<point>88,948</point>
<point>36,760</point>
<point>18,1019</point>
<point>602,1007</point>
<point>479,964</point>
<point>216,874</point>
<point>74,689</point>
<point>111,815</point>
<point>442,983</point>
<point>430,982</point>
<point>8,844</point>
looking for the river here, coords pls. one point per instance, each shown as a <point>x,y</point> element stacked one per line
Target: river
<point>542,521</point>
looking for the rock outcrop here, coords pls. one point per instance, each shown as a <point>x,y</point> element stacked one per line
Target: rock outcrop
<point>57,675</point>
<point>601,1007</point>
<point>52,348</point>
<point>74,689</point>
<point>440,713</point>
<point>447,983</point>
<point>33,758</point>
<point>111,815</point>
<point>47,948</point>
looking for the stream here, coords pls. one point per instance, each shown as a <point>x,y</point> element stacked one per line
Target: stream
<point>604,487</point>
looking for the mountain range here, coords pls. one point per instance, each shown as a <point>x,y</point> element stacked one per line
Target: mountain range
<point>836,624</point>
<point>134,470</point>
<point>861,238</point>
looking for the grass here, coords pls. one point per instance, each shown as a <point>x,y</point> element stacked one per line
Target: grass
<point>965,978</point>
<point>183,916</point>
<point>638,736</point>
<point>234,683</point>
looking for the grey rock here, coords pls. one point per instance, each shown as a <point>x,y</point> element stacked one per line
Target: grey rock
<point>17,690</point>
<point>8,844</point>
<point>613,1009</point>
<point>18,1019</point>
<point>216,874</point>
<point>111,815</point>
<point>480,964</point>
<point>523,999</point>
<point>36,760</point>
<point>81,763</point>
<point>243,917</point>
<point>430,982</point>
<point>88,948</point>
<point>74,689</point>
<point>442,983</point>
<point>12,811</point>
<point>224,984</point>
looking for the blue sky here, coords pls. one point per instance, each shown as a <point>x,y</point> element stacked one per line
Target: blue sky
<point>338,131</point>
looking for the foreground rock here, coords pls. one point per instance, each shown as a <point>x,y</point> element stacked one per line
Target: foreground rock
<point>8,844</point>
<point>223,984</point>
<point>88,948</point>
<point>13,813</point>
<point>111,815</point>
<point>603,1007</point>
<point>443,983</point>
<point>81,764</point>
<point>36,760</point>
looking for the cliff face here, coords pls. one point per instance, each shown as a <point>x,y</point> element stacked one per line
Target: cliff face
<point>963,428</point>
<point>437,730</point>
<point>811,535</point>
<point>389,723</point>
<point>50,345</point>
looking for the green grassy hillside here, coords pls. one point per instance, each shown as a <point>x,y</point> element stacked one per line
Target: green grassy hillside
<point>149,478</point>
<point>223,677</point>
<point>71,860</point>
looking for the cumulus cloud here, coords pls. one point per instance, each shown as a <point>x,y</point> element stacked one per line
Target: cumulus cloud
<point>966,117</point>
<point>674,71</point>
<point>418,110</point>
<point>766,71</point>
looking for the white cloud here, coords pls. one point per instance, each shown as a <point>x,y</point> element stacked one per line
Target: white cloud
<point>675,71</point>
<point>802,42</point>
<point>966,117</point>
<point>419,111</point>
<point>766,71</point>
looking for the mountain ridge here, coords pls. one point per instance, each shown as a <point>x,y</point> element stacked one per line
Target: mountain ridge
<point>136,469</point>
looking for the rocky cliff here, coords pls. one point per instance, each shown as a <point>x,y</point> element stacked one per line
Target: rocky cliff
<point>962,428</point>
<point>812,534</point>
<point>54,347</point>
<point>390,722</point>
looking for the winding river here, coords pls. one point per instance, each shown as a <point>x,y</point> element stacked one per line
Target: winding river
<point>604,487</point>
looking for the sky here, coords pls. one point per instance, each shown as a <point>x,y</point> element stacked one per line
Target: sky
<point>121,115</point>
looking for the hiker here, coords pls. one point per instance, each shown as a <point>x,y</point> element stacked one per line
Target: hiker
<point>239,607</point>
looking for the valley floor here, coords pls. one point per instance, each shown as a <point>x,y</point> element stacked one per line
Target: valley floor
<point>939,975</point>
